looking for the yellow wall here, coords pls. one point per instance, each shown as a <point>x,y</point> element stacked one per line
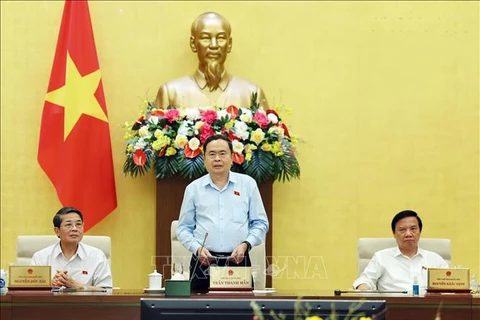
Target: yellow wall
<point>384,94</point>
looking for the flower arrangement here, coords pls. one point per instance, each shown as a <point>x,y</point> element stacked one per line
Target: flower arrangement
<point>170,140</point>
<point>302,312</point>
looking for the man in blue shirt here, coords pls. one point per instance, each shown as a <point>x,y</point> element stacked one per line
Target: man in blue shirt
<point>227,206</point>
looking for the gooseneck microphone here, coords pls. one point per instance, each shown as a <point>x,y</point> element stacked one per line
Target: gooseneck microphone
<point>198,257</point>
<point>339,292</point>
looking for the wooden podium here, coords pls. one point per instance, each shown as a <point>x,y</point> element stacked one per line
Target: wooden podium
<point>169,200</point>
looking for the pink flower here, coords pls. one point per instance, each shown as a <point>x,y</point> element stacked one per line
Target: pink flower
<point>172,114</point>
<point>206,132</point>
<point>261,119</point>
<point>209,116</point>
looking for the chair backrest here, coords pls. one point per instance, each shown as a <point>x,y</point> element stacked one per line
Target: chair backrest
<point>182,255</point>
<point>368,246</point>
<point>28,245</point>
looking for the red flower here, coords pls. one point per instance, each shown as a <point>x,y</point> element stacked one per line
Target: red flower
<point>138,123</point>
<point>140,158</point>
<point>189,153</point>
<point>272,111</point>
<point>285,129</point>
<point>232,111</point>
<point>209,116</point>
<point>232,136</point>
<point>238,158</point>
<point>157,113</point>
<point>261,119</point>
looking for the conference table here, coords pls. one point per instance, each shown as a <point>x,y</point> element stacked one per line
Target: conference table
<point>125,304</point>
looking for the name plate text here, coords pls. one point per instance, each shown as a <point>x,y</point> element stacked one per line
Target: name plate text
<point>30,276</point>
<point>448,278</point>
<point>230,277</point>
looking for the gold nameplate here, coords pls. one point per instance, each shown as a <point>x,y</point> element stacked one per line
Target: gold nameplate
<point>448,279</point>
<point>230,277</point>
<point>30,277</point>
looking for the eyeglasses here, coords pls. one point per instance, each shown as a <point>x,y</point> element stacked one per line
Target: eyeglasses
<point>69,226</point>
<point>221,155</point>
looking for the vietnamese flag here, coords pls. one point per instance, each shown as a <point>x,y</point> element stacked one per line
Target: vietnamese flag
<point>74,148</point>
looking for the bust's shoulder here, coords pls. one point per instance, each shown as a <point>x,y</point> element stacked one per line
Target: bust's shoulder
<point>240,82</point>
<point>179,82</point>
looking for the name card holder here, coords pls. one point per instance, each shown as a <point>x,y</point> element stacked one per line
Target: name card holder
<point>231,278</point>
<point>30,278</point>
<point>453,280</point>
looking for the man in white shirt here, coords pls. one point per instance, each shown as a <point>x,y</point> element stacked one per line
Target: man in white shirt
<point>396,268</point>
<point>74,264</point>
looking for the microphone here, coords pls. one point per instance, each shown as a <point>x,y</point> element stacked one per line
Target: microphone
<point>196,262</point>
<point>339,292</point>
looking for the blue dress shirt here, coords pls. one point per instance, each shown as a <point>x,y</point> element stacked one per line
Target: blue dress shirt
<point>230,216</point>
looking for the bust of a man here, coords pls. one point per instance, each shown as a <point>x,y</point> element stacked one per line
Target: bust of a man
<point>211,84</point>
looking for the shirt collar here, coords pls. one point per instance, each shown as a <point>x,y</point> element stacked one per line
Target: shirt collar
<point>397,252</point>
<point>199,77</point>
<point>207,180</point>
<point>57,250</point>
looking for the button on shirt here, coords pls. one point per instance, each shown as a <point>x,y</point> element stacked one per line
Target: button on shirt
<point>88,265</point>
<point>230,215</point>
<point>389,269</point>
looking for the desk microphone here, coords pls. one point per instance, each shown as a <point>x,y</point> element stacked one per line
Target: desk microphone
<point>196,262</point>
<point>339,292</point>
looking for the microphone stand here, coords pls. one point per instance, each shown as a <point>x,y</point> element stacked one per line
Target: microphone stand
<point>339,292</point>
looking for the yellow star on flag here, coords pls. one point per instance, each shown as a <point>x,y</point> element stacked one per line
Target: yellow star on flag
<point>77,96</point>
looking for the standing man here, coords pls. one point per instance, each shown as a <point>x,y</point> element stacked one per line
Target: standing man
<point>74,264</point>
<point>210,85</point>
<point>396,268</point>
<point>227,206</point>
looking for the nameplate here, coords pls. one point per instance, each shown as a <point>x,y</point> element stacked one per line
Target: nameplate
<point>448,279</point>
<point>230,277</point>
<point>30,277</point>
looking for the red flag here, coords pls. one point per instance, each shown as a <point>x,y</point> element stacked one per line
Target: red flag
<point>75,149</point>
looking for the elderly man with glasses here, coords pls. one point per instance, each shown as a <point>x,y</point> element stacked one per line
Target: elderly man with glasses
<point>74,264</point>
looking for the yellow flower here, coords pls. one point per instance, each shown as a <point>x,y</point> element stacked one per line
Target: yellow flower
<point>158,133</point>
<point>248,156</point>
<point>365,318</point>
<point>198,125</point>
<point>160,143</point>
<point>314,318</point>
<point>266,147</point>
<point>143,131</point>
<point>181,141</point>
<point>171,151</point>
<point>229,124</point>
<point>130,148</point>
<point>258,136</point>
<point>129,135</point>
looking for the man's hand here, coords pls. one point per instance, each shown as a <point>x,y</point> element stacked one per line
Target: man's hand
<point>61,278</point>
<point>363,286</point>
<point>204,256</point>
<point>238,254</point>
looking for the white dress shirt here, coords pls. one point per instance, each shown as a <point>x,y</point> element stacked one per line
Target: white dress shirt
<point>88,265</point>
<point>230,215</point>
<point>389,269</point>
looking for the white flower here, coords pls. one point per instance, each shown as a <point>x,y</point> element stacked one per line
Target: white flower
<point>273,118</point>
<point>194,143</point>
<point>185,128</point>
<point>140,144</point>
<point>192,113</point>
<point>223,113</point>
<point>246,115</point>
<point>153,119</point>
<point>237,146</point>
<point>241,130</point>
<point>143,131</point>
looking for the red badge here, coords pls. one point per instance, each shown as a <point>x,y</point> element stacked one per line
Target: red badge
<point>236,193</point>
<point>84,272</point>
